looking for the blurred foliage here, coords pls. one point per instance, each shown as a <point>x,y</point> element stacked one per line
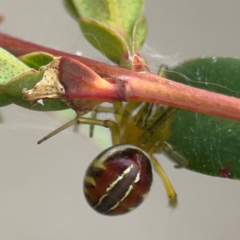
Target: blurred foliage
<point>211,144</point>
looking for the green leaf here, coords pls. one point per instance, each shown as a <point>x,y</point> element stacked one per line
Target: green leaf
<point>210,144</point>
<point>15,76</point>
<point>37,59</point>
<point>13,91</point>
<point>139,33</point>
<point>10,67</point>
<point>120,16</point>
<point>111,23</point>
<point>104,39</point>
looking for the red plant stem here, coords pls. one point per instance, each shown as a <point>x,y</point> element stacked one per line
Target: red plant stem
<point>146,87</point>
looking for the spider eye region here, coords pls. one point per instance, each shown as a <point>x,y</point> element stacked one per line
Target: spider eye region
<point>118,180</point>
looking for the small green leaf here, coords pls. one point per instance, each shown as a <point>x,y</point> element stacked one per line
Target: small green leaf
<point>37,59</point>
<point>210,144</point>
<point>120,16</point>
<point>10,67</point>
<point>13,91</point>
<point>139,33</point>
<point>104,39</point>
<point>111,25</point>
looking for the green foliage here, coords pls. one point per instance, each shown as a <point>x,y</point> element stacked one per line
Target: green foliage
<point>36,60</point>
<point>10,67</point>
<point>211,144</point>
<point>111,31</point>
<point>15,76</point>
<point>104,39</point>
<point>139,33</point>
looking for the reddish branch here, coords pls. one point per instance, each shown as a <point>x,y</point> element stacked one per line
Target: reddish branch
<point>145,87</point>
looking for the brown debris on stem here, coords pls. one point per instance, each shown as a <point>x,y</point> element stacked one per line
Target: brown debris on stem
<point>49,87</point>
